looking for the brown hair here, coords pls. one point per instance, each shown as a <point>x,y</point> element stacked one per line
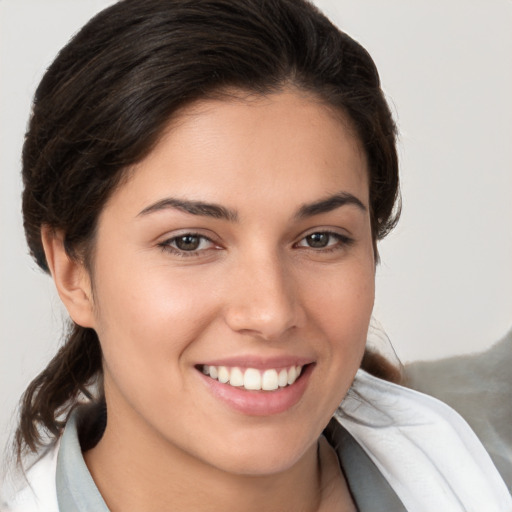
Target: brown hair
<point>107,97</point>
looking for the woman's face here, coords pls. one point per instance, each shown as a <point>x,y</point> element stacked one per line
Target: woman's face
<point>238,250</point>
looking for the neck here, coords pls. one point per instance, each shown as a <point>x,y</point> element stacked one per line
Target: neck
<point>139,472</point>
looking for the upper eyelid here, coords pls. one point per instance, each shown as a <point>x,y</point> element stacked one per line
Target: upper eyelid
<point>184,232</point>
<point>340,232</point>
<point>198,235</point>
<point>168,245</point>
<point>170,242</point>
<point>341,242</point>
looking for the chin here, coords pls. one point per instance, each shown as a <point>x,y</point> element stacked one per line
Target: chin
<point>263,454</point>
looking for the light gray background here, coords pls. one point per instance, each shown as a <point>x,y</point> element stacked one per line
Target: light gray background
<point>445,282</point>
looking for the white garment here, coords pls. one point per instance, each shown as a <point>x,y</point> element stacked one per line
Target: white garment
<point>425,450</point>
<point>40,494</point>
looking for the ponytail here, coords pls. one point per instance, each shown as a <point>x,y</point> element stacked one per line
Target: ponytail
<point>53,394</point>
<point>378,366</point>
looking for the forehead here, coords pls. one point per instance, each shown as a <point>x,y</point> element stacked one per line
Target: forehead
<point>287,147</point>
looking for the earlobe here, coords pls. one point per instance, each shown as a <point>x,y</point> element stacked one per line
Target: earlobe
<point>70,276</point>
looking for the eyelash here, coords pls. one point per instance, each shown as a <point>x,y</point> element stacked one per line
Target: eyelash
<point>343,242</point>
<point>167,246</point>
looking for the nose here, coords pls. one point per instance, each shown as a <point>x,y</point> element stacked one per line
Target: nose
<point>264,299</point>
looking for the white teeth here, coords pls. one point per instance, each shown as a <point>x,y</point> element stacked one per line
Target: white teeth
<point>237,377</point>
<point>223,374</point>
<point>292,375</point>
<point>269,380</point>
<point>253,379</point>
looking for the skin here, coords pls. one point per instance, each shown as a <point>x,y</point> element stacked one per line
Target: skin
<point>254,287</point>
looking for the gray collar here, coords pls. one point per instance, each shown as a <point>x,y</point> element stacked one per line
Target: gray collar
<point>370,490</point>
<point>76,490</point>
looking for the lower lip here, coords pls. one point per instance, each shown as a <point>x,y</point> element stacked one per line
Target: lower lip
<point>260,403</point>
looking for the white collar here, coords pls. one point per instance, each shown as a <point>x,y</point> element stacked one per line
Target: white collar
<point>424,449</point>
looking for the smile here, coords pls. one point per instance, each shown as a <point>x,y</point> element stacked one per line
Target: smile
<point>256,387</point>
<point>253,379</point>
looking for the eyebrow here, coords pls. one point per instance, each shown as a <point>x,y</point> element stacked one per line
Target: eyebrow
<point>329,204</point>
<point>220,212</point>
<point>193,207</point>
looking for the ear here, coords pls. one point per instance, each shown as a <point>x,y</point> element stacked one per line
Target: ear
<point>71,278</point>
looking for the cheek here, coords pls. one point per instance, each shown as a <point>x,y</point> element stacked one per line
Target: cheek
<point>135,294</point>
<point>345,300</point>
<point>147,319</point>
<point>342,311</point>
<point>339,316</point>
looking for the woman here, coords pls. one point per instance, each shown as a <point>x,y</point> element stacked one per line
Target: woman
<point>206,182</point>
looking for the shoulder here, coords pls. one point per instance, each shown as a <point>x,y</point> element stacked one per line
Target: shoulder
<point>423,448</point>
<point>34,491</point>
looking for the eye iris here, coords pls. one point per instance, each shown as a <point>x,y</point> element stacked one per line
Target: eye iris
<point>187,242</point>
<point>318,240</point>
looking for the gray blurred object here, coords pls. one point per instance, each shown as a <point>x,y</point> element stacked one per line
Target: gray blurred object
<point>479,388</point>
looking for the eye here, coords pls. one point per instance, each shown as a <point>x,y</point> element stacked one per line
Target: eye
<point>191,243</point>
<point>318,240</point>
<point>324,240</point>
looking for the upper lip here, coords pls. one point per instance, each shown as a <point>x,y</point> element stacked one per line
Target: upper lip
<point>259,362</point>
